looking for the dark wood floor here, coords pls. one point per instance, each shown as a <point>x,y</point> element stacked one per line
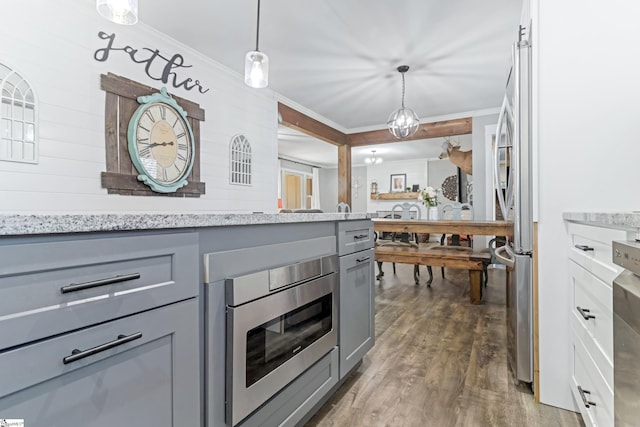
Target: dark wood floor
<point>438,361</point>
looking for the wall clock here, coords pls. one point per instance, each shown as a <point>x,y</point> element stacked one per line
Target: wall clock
<point>161,143</point>
<point>126,99</point>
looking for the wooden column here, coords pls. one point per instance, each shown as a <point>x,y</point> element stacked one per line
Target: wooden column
<point>344,174</point>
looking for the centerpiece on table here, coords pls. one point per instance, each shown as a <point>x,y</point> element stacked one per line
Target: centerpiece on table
<point>429,197</point>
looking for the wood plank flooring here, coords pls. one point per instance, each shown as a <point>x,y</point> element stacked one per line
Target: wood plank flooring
<point>438,361</point>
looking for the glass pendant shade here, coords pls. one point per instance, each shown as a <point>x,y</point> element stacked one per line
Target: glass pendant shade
<point>256,63</point>
<point>403,123</point>
<point>256,69</point>
<point>123,12</point>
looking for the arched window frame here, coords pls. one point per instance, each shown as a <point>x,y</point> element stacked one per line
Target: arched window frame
<point>240,168</point>
<point>18,118</point>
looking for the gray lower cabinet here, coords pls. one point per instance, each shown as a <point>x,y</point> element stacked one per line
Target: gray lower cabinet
<point>357,330</point>
<point>140,370</point>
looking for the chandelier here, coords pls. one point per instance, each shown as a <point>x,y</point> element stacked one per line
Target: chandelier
<point>373,160</point>
<point>403,122</point>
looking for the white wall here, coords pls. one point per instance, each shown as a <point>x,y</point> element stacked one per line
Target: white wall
<point>586,113</point>
<point>359,198</point>
<point>52,43</point>
<point>417,173</point>
<point>328,189</point>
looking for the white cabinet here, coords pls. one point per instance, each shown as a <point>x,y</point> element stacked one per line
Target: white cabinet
<point>591,274</point>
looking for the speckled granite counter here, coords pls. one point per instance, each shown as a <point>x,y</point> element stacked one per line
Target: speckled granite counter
<point>12,225</point>
<point>625,220</point>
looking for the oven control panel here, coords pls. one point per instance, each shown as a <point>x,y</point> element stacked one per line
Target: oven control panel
<point>627,254</point>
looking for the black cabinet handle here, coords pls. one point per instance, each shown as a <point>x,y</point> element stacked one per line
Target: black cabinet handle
<point>583,394</point>
<point>81,354</point>
<point>360,260</point>
<point>360,236</point>
<point>101,282</point>
<point>583,247</point>
<point>585,313</point>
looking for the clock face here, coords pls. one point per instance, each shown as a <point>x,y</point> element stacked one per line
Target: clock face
<point>163,143</point>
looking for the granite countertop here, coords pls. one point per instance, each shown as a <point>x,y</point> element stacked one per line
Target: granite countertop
<point>627,220</point>
<point>13,225</point>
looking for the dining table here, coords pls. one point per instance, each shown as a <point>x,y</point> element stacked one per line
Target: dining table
<point>473,259</point>
<point>444,226</point>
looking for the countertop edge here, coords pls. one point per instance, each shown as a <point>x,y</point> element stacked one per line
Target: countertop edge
<point>21,225</point>
<point>623,220</point>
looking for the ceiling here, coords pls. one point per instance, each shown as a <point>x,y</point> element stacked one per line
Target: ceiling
<point>338,58</point>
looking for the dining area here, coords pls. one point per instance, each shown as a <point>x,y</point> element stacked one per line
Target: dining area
<point>404,250</point>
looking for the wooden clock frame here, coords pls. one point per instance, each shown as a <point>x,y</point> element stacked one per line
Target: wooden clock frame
<point>121,176</point>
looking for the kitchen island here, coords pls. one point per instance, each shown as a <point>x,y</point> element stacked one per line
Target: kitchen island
<point>121,318</point>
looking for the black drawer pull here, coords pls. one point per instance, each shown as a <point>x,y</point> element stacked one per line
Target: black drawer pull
<point>584,248</point>
<point>101,282</point>
<point>583,394</point>
<point>585,313</point>
<point>360,260</point>
<point>360,236</point>
<point>81,354</point>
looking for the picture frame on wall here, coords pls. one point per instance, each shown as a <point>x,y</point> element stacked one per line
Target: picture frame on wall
<point>398,182</point>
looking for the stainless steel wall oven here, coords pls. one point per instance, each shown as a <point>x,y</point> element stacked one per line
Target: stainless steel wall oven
<point>279,323</point>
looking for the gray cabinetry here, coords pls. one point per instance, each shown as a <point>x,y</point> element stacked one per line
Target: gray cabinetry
<point>100,330</point>
<point>356,330</point>
<point>151,379</point>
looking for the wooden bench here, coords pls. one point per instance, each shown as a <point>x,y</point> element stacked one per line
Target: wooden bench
<point>440,256</point>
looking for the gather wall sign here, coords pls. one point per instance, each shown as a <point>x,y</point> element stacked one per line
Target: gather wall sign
<point>156,65</point>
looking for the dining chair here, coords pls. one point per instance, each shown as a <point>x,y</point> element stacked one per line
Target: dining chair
<point>404,211</point>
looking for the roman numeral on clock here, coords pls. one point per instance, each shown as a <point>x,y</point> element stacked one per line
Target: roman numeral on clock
<point>163,173</point>
<point>163,112</point>
<point>182,146</point>
<point>145,152</point>
<point>148,114</point>
<point>181,157</point>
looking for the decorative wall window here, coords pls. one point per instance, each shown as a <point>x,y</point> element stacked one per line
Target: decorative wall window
<point>240,160</point>
<point>18,130</point>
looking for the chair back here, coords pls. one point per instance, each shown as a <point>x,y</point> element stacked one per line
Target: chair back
<point>405,210</point>
<point>457,211</point>
<point>343,207</point>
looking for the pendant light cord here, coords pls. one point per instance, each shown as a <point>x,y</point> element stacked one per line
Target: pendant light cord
<point>402,88</point>
<point>258,27</point>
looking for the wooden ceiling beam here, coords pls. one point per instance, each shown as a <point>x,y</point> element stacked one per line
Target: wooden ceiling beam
<point>299,121</point>
<point>426,130</point>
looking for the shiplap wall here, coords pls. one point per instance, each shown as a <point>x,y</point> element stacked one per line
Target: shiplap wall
<point>52,44</point>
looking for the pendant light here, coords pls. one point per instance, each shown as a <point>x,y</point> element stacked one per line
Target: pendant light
<point>373,160</point>
<point>403,122</point>
<point>256,63</point>
<point>123,12</point>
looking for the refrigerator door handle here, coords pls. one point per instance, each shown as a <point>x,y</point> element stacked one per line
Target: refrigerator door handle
<point>496,156</point>
<point>508,259</point>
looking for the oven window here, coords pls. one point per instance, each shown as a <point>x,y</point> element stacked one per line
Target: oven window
<point>278,340</point>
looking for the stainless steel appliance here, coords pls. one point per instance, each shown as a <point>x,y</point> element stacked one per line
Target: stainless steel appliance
<point>279,323</point>
<point>626,334</point>
<point>513,180</point>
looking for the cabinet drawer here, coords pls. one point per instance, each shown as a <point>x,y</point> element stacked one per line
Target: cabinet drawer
<point>149,381</point>
<point>591,248</point>
<point>585,374</point>
<point>594,298</point>
<point>354,236</point>
<point>53,287</point>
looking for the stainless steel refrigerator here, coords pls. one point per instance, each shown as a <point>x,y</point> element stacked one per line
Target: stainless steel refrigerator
<point>513,180</point>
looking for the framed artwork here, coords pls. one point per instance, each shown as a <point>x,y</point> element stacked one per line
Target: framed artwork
<point>398,183</point>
